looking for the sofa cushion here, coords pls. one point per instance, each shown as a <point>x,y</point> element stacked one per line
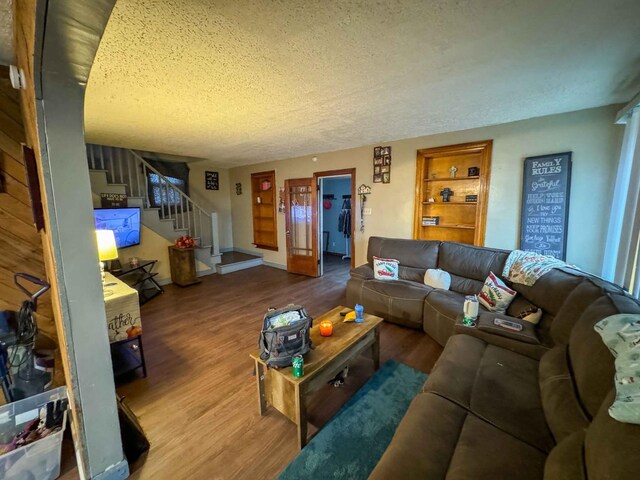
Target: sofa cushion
<point>562,408</point>
<point>497,385</point>
<point>420,254</point>
<point>399,302</point>
<point>611,447</point>
<point>441,308</point>
<point>566,460</point>
<point>573,307</point>
<point>363,272</point>
<point>550,291</point>
<point>469,261</point>
<point>439,439</point>
<point>590,361</point>
<point>466,286</point>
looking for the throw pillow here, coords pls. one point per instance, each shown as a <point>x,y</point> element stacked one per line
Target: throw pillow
<point>495,296</point>
<point>385,268</point>
<point>436,278</point>
<point>621,334</point>
<point>531,314</point>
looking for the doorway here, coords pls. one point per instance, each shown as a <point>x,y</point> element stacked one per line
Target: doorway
<point>336,219</point>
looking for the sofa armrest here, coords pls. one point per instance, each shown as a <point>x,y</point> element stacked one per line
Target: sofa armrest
<point>363,272</point>
<point>528,334</point>
<point>525,342</point>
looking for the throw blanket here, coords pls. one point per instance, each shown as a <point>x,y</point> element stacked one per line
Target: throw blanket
<point>527,267</point>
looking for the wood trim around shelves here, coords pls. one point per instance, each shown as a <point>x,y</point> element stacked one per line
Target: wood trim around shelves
<point>484,148</point>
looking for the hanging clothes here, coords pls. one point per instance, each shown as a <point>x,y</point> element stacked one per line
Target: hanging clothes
<point>344,219</point>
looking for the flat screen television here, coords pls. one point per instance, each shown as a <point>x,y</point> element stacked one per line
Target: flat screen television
<point>125,223</point>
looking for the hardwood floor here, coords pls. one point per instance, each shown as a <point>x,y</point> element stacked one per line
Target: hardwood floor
<point>199,405</point>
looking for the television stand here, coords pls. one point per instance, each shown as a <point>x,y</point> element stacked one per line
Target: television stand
<point>142,278</point>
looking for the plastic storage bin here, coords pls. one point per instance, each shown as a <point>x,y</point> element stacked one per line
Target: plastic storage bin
<point>41,459</point>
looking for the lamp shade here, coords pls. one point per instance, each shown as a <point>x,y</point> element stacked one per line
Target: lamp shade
<point>107,249</point>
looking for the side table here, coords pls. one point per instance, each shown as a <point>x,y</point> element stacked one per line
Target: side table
<point>142,278</point>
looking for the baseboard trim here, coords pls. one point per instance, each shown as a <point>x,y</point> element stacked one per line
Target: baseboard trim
<point>164,281</point>
<point>274,265</point>
<point>204,273</point>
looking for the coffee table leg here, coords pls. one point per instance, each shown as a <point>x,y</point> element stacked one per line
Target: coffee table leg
<point>262,400</point>
<point>301,417</point>
<point>375,349</point>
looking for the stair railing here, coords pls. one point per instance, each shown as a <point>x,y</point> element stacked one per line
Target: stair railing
<point>128,168</point>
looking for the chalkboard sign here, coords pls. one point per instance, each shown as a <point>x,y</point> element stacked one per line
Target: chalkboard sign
<point>545,204</point>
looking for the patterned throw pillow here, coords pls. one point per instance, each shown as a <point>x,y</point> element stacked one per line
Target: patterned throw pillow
<point>621,334</point>
<point>495,296</point>
<point>531,314</point>
<point>385,268</point>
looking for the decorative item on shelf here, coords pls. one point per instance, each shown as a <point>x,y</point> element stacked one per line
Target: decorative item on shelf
<point>446,194</point>
<point>326,328</point>
<point>258,200</point>
<point>363,191</point>
<point>431,200</point>
<point>211,180</point>
<point>185,242</point>
<point>265,185</point>
<point>238,189</point>
<point>471,198</point>
<point>430,221</point>
<point>452,171</point>
<point>134,261</point>
<point>107,251</point>
<point>382,164</point>
<point>473,172</point>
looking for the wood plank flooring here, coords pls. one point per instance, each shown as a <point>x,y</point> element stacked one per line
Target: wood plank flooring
<point>199,404</point>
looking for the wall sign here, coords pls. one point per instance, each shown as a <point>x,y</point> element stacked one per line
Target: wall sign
<point>211,180</point>
<point>545,204</point>
<point>113,200</point>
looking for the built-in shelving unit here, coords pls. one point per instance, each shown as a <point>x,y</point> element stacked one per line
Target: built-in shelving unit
<point>265,232</point>
<point>458,220</point>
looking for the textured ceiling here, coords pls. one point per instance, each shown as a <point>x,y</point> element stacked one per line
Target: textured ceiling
<point>248,81</point>
<point>6,33</point>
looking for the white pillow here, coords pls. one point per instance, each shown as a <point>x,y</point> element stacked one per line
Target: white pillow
<point>385,268</point>
<point>495,296</point>
<point>436,278</point>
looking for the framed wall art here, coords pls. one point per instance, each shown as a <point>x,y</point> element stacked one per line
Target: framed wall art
<point>211,180</point>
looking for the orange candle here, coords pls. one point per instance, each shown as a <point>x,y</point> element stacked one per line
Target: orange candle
<point>326,328</point>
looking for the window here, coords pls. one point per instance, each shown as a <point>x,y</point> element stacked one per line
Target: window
<point>621,257</point>
<point>160,194</point>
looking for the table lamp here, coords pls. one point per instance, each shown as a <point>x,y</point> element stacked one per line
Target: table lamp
<point>107,250</point>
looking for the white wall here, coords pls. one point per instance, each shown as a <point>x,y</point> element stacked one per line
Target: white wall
<point>589,134</point>
<point>214,200</point>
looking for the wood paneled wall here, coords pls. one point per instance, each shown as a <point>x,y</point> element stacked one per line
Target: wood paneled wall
<point>20,244</point>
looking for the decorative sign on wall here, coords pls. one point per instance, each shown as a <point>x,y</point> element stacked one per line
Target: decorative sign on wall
<point>113,200</point>
<point>382,164</point>
<point>211,180</point>
<point>545,204</point>
<point>238,189</point>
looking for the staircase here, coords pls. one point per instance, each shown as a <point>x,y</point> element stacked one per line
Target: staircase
<point>172,214</point>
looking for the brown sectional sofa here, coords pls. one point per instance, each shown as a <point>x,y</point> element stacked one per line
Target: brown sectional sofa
<point>500,405</point>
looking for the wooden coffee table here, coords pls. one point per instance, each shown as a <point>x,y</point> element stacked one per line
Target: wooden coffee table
<point>329,356</point>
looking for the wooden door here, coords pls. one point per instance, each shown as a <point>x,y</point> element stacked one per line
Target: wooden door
<point>302,224</point>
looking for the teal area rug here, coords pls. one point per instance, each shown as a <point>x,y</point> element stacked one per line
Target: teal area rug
<point>351,444</point>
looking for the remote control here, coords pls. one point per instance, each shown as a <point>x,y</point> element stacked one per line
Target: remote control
<point>507,324</point>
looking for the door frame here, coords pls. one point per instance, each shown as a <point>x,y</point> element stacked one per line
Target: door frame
<point>335,173</point>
